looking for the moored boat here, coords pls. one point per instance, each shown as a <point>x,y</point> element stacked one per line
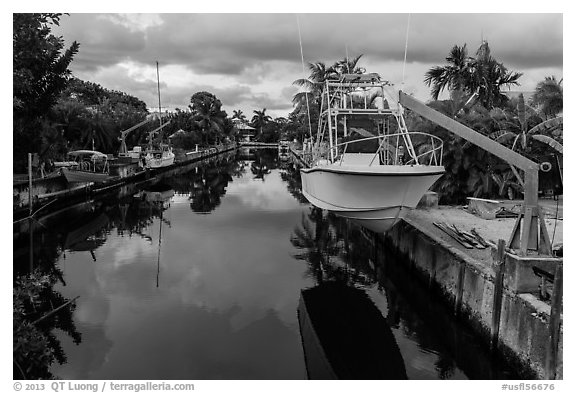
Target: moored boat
<point>158,158</point>
<point>84,166</point>
<point>369,170</point>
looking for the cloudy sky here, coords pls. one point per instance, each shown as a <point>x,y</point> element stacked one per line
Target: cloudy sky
<point>249,61</point>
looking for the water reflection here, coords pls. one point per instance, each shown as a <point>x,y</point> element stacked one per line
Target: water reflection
<point>168,291</point>
<point>39,312</point>
<point>336,250</point>
<point>345,336</point>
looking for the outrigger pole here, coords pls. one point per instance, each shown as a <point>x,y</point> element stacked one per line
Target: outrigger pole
<point>529,231</point>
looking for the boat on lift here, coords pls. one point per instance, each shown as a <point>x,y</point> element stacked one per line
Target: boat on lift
<point>366,165</point>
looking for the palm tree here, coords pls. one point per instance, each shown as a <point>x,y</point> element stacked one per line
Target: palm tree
<point>348,66</point>
<point>547,131</point>
<point>549,96</point>
<point>319,73</point>
<point>313,85</point>
<point>260,119</point>
<point>208,115</point>
<point>238,114</point>
<point>481,77</point>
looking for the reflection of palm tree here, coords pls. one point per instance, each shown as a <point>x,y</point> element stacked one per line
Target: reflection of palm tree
<point>209,189</point>
<point>331,252</point>
<point>259,169</point>
<point>293,182</point>
<point>265,161</point>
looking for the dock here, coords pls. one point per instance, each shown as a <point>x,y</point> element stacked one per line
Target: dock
<point>515,310</point>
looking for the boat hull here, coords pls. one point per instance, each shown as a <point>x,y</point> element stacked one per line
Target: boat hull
<point>78,176</point>
<point>377,197</point>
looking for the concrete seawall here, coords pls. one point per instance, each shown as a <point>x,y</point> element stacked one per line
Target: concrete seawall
<point>468,286</point>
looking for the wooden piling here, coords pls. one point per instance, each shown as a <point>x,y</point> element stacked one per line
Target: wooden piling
<point>30,183</point>
<point>498,266</point>
<point>555,319</point>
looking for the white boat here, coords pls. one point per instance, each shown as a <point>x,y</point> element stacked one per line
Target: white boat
<point>85,166</point>
<point>377,178</point>
<point>158,158</point>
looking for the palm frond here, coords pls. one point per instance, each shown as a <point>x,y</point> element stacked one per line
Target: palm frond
<point>550,142</point>
<point>547,126</point>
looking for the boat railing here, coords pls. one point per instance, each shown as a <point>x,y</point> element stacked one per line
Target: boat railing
<point>93,165</point>
<point>392,150</point>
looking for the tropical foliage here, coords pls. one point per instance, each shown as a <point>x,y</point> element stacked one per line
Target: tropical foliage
<point>259,120</point>
<point>38,311</point>
<point>549,97</point>
<point>238,114</point>
<point>39,74</point>
<point>481,77</point>
<point>319,73</point>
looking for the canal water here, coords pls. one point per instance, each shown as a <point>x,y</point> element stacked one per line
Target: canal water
<point>222,270</point>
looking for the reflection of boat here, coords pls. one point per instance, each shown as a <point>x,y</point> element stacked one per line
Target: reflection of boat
<point>374,179</point>
<point>345,336</point>
<point>157,193</point>
<point>86,166</point>
<point>85,238</point>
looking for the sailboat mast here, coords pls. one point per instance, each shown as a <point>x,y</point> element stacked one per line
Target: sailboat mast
<point>159,104</point>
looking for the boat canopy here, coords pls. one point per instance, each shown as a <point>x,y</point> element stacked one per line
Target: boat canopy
<point>88,153</point>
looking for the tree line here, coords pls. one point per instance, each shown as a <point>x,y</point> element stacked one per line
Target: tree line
<point>55,112</point>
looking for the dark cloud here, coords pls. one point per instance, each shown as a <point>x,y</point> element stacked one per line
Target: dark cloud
<point>263,49</point>
<point>229,43</point>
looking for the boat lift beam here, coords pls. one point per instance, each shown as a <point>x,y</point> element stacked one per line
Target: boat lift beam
<point>529,231</point>
<point>123,134</point>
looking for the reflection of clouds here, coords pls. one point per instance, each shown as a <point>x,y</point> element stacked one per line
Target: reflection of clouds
<point>137,248</point>
<point>269,196</point>
<point>87,363</point>
<point>183,342</point>
<point>245,263</point>
<point>228,289</point>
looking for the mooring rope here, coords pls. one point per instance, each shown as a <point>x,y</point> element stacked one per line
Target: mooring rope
<point>304,76</point>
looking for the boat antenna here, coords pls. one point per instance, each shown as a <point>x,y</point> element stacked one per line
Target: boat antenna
<point>347,59</point>
<point>405,50</point>
<point>304,76</point>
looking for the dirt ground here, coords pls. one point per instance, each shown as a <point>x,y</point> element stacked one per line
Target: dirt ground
<point>492,230</point>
